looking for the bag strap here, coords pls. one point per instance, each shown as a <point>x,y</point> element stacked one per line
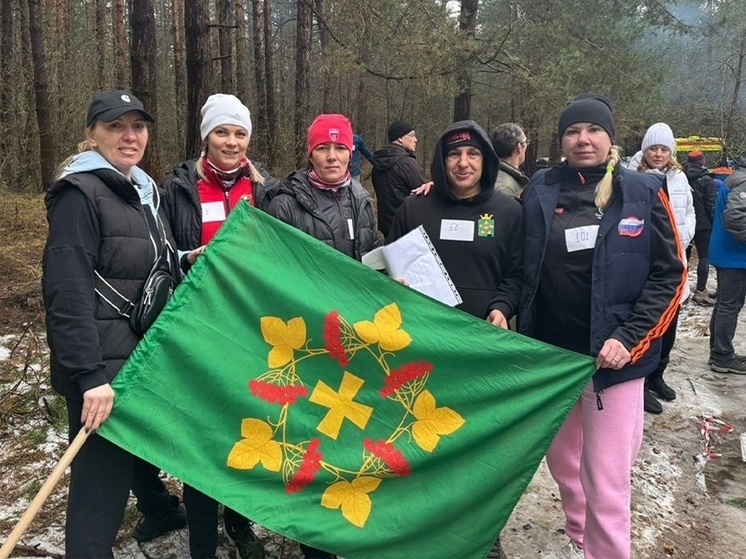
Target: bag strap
<point>107,292</point>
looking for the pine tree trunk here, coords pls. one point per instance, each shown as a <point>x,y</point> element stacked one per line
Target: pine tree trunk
<point>242,52</point>
<point>177,29</point>
<point>225,40</point>
<point>121,70</point>
<point>198,68</point>
<point>101,43</point>
<point>47,144</point>
<point>467,25</point>
<point>302,77</point>
<point>7,117</point>
<point>270,86</point>
<point>144,80</point>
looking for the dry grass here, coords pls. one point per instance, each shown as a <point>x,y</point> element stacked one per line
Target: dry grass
<point>23,228</point>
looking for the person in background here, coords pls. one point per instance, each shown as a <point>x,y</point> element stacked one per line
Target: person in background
<point>704,193</point>
<point>105,225</point>
<point>603,276</point>
<point>395,172</point>
<point>510,143</point>
<point>198,198</point>
<point>728,255</point>
<point>722,170</point>
<point>656,157</point>
<point>359,150</point>
<point>324,201</point>
<point>485,264</point>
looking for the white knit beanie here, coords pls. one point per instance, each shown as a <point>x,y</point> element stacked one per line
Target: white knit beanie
<point>224,109</point>
<point>659,134</point>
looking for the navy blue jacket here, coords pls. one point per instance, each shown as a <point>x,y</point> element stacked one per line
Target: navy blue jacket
<point>637,273</point>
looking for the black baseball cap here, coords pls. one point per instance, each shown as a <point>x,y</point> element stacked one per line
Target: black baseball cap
<point>110,105</point>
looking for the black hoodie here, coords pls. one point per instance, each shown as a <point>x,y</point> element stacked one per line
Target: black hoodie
<point>479,240</point>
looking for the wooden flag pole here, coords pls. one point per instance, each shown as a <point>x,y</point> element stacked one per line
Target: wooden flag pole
<point>43,493</point>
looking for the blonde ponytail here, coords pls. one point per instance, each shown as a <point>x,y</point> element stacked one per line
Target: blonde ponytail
<point>605,185</point>
<point>85,145</point>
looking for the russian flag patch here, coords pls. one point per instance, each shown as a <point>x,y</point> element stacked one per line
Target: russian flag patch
<point>631,226</point>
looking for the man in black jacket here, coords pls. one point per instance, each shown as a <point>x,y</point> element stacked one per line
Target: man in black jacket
<point>704,193</point>
<point>395,172</point>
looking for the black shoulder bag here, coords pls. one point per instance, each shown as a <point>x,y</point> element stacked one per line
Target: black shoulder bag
<point>156,291</point>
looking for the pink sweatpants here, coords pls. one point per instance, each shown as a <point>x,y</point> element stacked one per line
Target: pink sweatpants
<point>591,460</point>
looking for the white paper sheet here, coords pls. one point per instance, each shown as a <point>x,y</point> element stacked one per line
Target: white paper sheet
<point>414,259</point>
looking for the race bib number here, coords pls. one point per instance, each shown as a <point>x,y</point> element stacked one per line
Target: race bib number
<point>456,230</point>
<point>581,238</point>
<point>213,211</point>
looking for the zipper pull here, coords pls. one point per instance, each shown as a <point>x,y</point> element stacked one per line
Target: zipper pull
<point>599,403</point>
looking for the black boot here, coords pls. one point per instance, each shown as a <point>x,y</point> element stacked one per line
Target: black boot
<point>661,389</point>
<point>651,404</point>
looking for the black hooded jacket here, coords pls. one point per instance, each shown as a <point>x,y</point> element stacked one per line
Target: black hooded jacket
<point>395,174</point>
<point>479,240</point>
<point>704,193</point>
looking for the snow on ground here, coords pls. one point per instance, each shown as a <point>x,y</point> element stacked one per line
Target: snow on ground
<point>682,505</point>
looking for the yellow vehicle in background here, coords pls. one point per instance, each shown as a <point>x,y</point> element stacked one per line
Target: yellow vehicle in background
<point>712,148</point>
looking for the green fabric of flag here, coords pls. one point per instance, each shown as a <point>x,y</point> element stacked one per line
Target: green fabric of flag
<point>336,406</point>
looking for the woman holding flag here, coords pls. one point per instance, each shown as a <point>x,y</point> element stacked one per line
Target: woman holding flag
<point>603,276</point>
<point>105,228</point>
<point>198,198</point>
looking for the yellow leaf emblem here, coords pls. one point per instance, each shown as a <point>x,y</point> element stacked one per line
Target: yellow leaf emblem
<point>432,421</point>
<point>256,446</point>
<point>384,330</point>
<point>283,337</point>
<point>352,498</point>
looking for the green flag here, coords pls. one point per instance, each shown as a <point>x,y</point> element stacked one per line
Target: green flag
<point>335,406</point>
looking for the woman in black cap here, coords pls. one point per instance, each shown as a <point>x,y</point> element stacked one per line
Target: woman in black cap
<point>105,232</point>
<point>603,276</point>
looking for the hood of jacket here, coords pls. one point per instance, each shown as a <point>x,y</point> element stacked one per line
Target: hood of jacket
<point>94,163</point>
<point>389,155</point>
<point>694,172</point>
<point>490,165</point>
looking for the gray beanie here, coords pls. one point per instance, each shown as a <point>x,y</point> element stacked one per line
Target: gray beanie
<point>224,109</point>
<point>587,107</point>
<point>659,134</point>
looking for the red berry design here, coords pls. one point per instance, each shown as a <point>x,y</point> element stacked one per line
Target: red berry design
<point>403,375</point>
<point>333,338</point>
<point>390,455</point>
<point>276,393</point>
<point>308,468</point>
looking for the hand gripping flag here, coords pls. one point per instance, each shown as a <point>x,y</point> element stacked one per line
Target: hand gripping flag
<point>336,406</point>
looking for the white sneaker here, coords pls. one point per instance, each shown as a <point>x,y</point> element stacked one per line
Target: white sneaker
<point>570,551</point>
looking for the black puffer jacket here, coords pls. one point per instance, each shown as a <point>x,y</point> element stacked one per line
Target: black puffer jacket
<point>182,206</point>
<point>97,222</point>
<point>395,174</point>
<point>324,214</point>
<point>704,193</point>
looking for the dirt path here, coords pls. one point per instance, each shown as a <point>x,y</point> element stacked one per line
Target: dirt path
<point>680,500</point>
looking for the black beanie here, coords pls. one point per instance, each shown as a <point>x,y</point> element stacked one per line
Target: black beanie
<point>587,107</point>
<point>398,129</point>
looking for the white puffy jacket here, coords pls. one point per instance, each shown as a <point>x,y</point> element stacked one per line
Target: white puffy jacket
<point>682,203</point>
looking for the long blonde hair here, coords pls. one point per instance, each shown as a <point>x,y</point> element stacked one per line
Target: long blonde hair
<point>605,186</point>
